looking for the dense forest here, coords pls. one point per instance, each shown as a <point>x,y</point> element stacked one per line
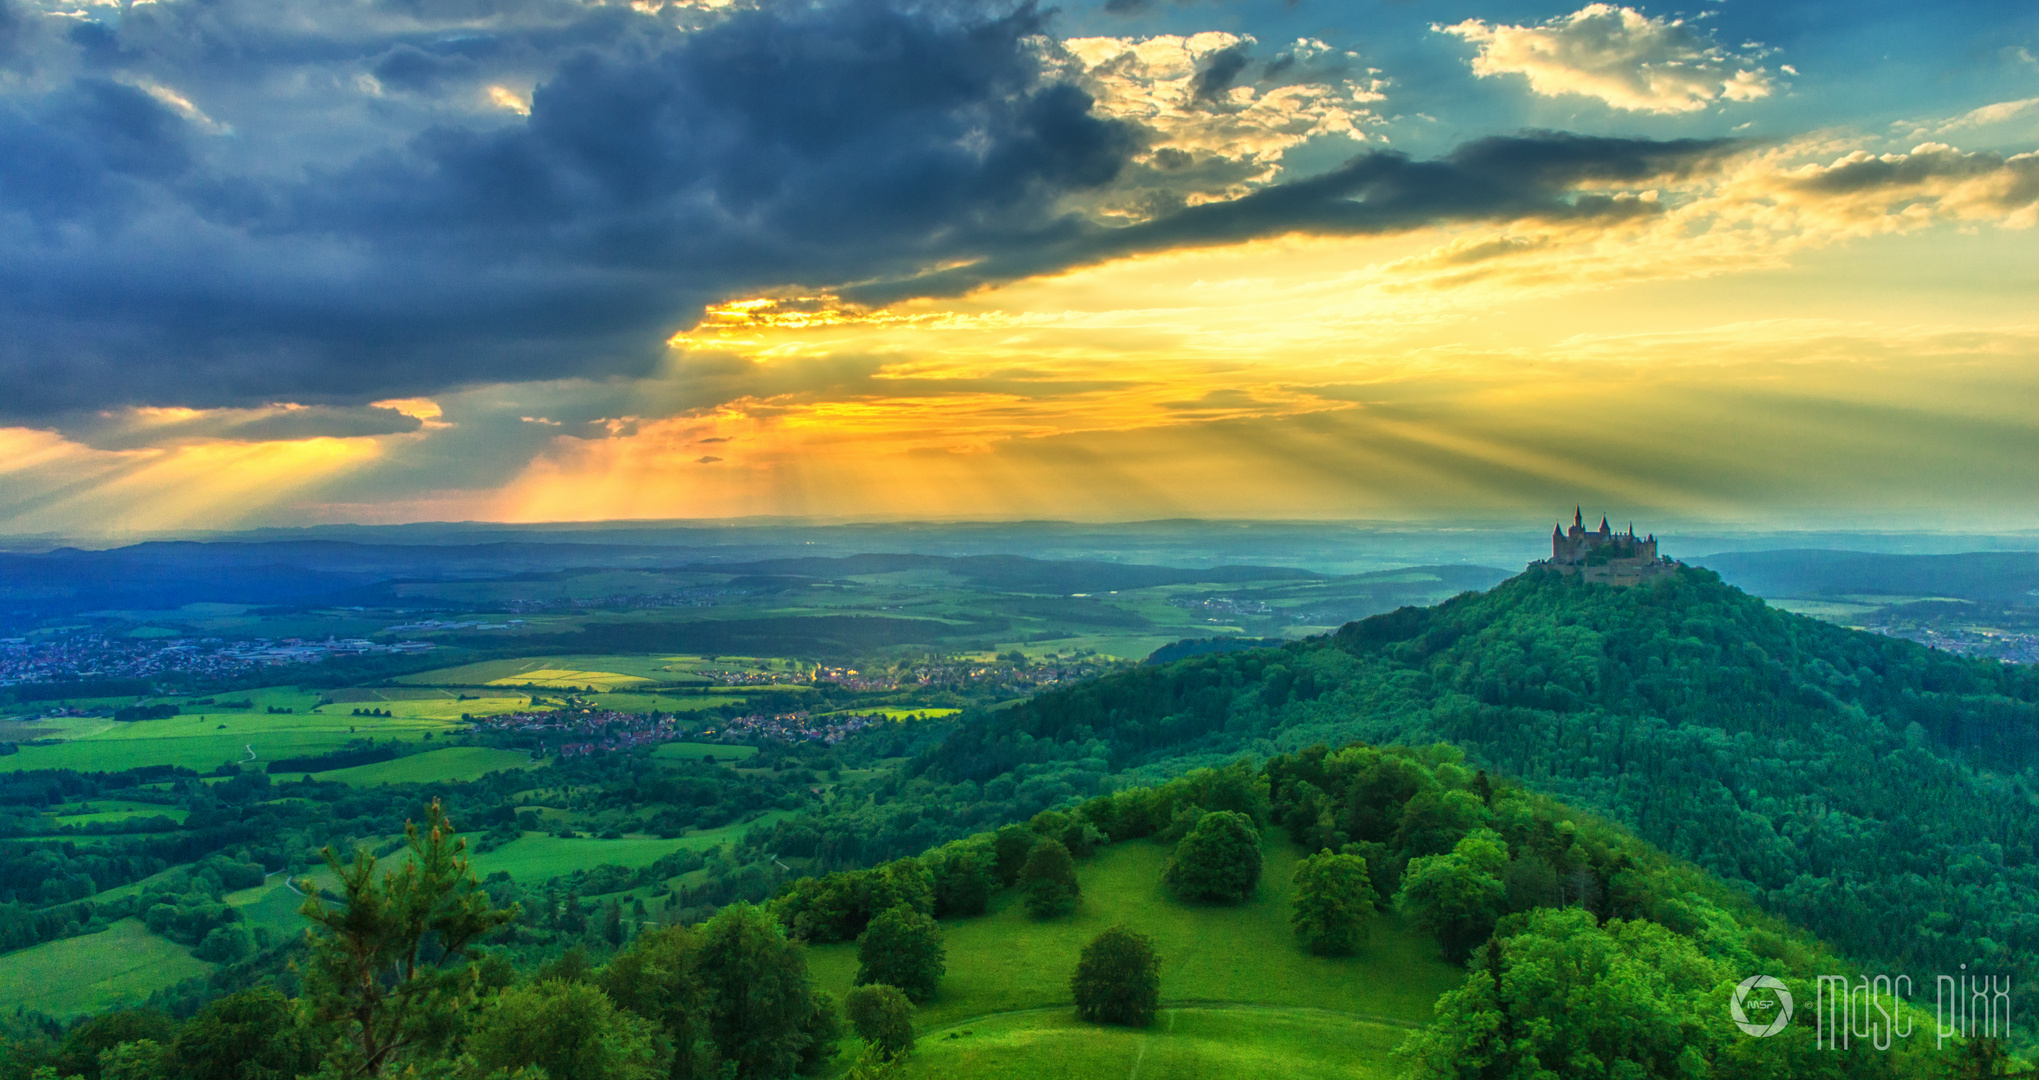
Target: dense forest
<point>1875,791</point>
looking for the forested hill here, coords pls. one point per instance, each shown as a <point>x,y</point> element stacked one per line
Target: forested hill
<point>1866,787</point>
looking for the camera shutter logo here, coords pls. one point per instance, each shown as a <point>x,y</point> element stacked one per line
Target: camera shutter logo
<point>1763,1025</point>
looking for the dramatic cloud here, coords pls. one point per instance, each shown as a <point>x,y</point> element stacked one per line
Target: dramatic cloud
<point>142,263</point>
<point>1621,56</point>
<point>1537,176</point>
<point>1217,118</point>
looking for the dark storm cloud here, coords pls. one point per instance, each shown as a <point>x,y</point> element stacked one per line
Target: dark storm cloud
<point>1533,175</point>
<point>671,169</point>
<point>153,253</point>
<point>120,431</point>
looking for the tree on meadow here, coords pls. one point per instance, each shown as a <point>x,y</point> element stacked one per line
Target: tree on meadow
<point>883,1017</point>
<point>1218,862</point>
<point>1117,979</point>
<point>1333,899</point>
<point>1048,881</point>
<point>903,948</point>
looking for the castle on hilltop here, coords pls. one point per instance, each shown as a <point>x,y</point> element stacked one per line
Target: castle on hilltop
<point>1604,555</point>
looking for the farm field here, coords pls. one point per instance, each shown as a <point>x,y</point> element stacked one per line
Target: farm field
<point>1006,963</point>
<point>454,763</point>
<point>538,857</point>
<point>652,701</point>
<point>207,740</point>
<point>120,966</point>
<point>693,751</point>
<point>562,671</point>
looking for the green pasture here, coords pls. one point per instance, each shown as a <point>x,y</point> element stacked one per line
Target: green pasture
<point>1192,1043</point>
<point>561,671</point>
<point>272,905</point>
<point>450,765</point>
<point>666,703</point>
<point>95,972</point>
<point>1004,961</point>
<point>537,857</point>
<point>95,810</point>
<point>694,751</point>
<point>209,739</point>
<point>891,712</point>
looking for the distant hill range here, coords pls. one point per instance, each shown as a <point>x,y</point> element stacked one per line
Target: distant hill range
<point>2004,578</point>
<point>169,574</point>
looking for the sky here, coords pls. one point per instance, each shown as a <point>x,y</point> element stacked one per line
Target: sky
<point>280,262</point>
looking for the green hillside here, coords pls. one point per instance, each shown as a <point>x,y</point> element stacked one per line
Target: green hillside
<point>1238,993</point>
<point>1868,788</point>
<point>1005,961</point>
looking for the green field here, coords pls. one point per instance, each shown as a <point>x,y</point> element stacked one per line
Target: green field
<point>537,857</point>
<point>1246,994</point>
<point>95,972</point>
<point>454,763</point>
<point>695,751</point>
<point>209,738</point>
<point>626,701</point>
<point>1184,1044</point>
<point>604,672</point>
<point>272,905</point>
<point>95,810</point>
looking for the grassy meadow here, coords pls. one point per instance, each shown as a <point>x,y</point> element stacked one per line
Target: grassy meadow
<point>1239,996</point>
<point>73,976</point>
<point>1185,1043</point>
<point>451,764</point>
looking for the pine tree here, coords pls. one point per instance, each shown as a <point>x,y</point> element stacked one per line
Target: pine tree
<point>385,966</point>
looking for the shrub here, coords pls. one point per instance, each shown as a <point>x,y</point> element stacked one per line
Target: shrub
<point>1118,979</point>
<point>1219,861</point>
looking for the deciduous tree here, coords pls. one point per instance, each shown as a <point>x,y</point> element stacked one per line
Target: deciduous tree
<point>903,948</point>
<point>1049,881</point>
<point>1333,899</point>
<point>1219,861</point>
<point>1118,979</point>
<point>883,1017</point>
